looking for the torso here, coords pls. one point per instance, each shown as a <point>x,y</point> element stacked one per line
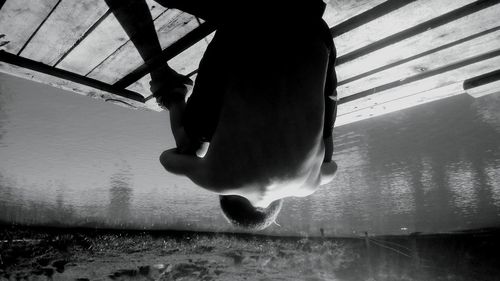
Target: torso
<point>269,136</point>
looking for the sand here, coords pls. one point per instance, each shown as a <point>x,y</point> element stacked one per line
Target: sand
<point>70,254</point>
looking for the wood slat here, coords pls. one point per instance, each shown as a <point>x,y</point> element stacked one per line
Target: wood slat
<point>101,43</point>
<point>414,46</point>
<point>171,26</point>
<point>63,29</point>
<point>433,61</point>
<point>19,19</point>
<point>490,63</point>
<point>400,104</point>
<point>338,11</point>
<point>394,22</point>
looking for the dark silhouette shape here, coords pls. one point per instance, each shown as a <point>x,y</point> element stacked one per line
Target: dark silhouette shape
<point>270,80</point>
<point>1,3</point>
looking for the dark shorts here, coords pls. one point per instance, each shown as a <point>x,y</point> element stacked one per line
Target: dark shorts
<point>206,101</point>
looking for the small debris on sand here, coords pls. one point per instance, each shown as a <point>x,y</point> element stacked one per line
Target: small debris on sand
<point>65,254</point>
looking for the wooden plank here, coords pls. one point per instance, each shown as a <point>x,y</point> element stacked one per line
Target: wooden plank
<point>456,75</point>
<point>101,43</point>
<point>171,26</point>
<point>19,19</point>
<point>423,42</point>
<point>433,61</point>
<point>70,86</point>
<point>61,31</point>
<point>399,104</point>
<point>63,74</point>
<point>394,22</point>
<point>338,11</point>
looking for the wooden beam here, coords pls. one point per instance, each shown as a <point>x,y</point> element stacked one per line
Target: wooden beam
<point>19,19</point>
<point>377,34</point>
<point>431,62</point>
<point>66,75</point>
<point>432,40</point>
<point>173,50</point>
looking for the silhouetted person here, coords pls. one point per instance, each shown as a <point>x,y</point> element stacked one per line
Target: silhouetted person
<point>264,101</point>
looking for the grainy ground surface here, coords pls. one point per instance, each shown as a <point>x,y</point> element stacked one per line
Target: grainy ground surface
<point>69,254</point>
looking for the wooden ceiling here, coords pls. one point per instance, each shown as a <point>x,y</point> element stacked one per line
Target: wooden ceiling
<point>392,54</point>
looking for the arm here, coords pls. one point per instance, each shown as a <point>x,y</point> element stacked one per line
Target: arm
<point>330,106</point>
<point>136,20</point>
<point>185,165</point>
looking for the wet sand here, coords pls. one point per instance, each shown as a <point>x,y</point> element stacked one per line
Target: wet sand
<point>34,253</point>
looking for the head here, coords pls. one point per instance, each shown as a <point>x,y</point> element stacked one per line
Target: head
<point>240,212</point>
